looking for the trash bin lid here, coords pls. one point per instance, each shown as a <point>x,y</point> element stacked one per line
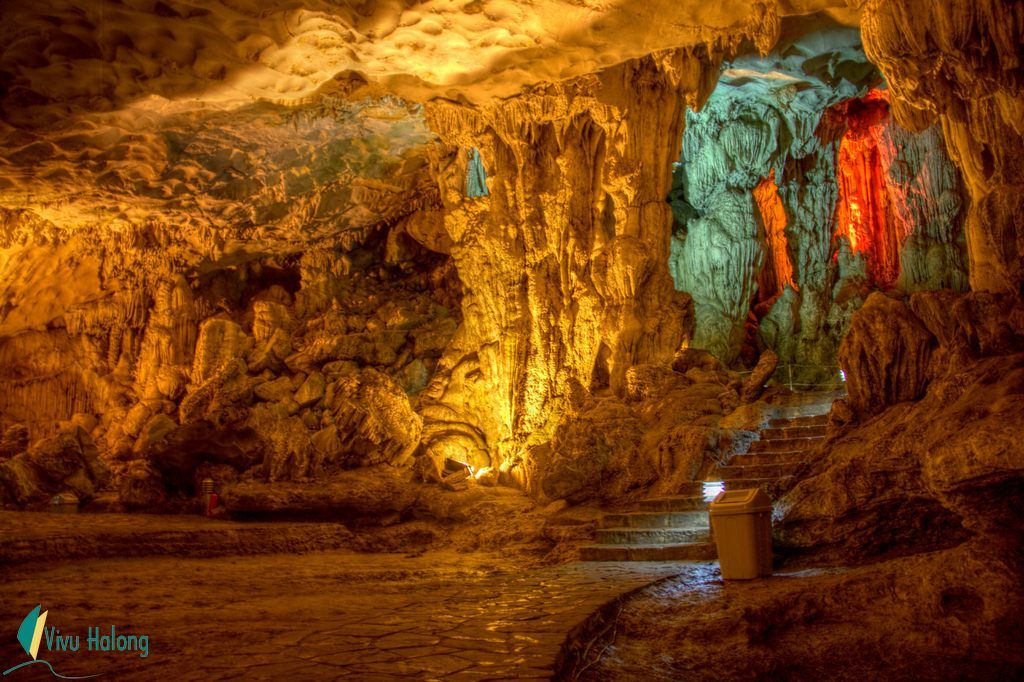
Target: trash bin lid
<point>740,502</point>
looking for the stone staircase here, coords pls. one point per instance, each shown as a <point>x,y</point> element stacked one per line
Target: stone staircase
<point>677,529</point>
<point>785,446</point>
<point>665,529</point>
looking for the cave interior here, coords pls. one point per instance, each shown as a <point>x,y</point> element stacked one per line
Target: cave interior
<point>425,293</point>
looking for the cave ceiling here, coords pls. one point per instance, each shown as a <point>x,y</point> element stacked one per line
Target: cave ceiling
<point>237,128</point>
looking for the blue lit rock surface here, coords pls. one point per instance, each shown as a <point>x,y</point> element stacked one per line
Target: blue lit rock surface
<point>768,121</point>
<point>762,118</point>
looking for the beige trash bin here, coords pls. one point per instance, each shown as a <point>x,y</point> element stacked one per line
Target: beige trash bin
<point>741,521</point>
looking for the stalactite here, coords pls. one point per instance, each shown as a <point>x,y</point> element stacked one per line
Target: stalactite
<point>476,176</point>
<point>777,272</point>
<point>864,215</point>
<point>40,380</point>
<point>959,64</point>
<point>566,258</point>
<point>897,188</point>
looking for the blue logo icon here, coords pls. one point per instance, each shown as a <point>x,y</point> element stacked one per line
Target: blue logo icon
<point>30,634</point>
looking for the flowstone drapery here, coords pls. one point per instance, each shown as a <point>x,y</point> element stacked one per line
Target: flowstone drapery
<point>564,265</point>
<point>974,91</point>
<point>864,204</point>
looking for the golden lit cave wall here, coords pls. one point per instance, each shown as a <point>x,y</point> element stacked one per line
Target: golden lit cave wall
<point>39,381</point>
<point>960,64</point>
<point>564,265</point>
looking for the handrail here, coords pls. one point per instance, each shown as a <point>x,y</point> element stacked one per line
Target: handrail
<point>836,383</point>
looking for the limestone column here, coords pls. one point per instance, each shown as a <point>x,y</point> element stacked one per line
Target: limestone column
<point>564,263</point>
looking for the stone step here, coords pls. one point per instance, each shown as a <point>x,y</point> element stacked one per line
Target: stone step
<point>781,433</point>
<point>775,487</point>
<point>690,489</point>
<point>766,470</point>
<point>651,536</point>
<point>685,519</point>
<point>675,504</point>
<point>693,551</point>
<point>786,423</point>
<point>784,445</point>
<point>769,458</point>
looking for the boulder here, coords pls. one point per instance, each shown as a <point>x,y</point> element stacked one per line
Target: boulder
<point>688,358</point>
<point>155,430</point>
<point>395,315</point>
<point>14,441</point>
<point>220,341</point>
<point>271,353</point>
<point>365,495</point>
<point>414,377</point>
<point>66,461</point>
<point>594,455</point>
<point>367,348</point>
<point>226,387</point>
<point>885,355</point>
<point>685,454</point>
<point>141,488</point>
<point>699,375</point>
<point>270,317</point>
<point>431,340</point>
<point>137,416</point>
<point>754,386</point>
<point>376,422</point>
<point>171,381</point>
<point>990,323</point>
<point>273,391</point>
<point>427,468</point>
<point>645,381</point>
<point>311,391</point>
<point>286,442</point>
<point>328,443</point>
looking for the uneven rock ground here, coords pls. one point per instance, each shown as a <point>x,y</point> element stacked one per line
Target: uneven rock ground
<point>315,615</point>
<point>894,620</point>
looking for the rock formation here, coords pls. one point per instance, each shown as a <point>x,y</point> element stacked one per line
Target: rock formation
<point>248,242</point>
<point>575,194</point>
<point>791,156</point>
<point>973,91</point>
<point>930,457</point>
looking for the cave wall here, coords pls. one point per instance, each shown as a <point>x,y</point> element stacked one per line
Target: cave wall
<point>269,302</point>
<point>564,264</point>
<point>958,65</point>
<point>864,205</point>
<point>248,225</point>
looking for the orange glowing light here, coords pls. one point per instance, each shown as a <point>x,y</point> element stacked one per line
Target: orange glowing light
<point>864,211</point>
<point>777,272</point>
